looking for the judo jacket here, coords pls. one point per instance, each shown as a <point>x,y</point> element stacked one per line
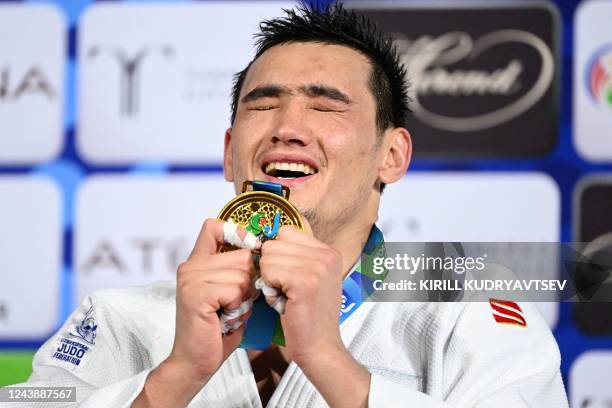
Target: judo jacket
<point>421,355</point>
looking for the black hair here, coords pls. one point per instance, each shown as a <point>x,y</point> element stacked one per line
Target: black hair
<point>335,25</point>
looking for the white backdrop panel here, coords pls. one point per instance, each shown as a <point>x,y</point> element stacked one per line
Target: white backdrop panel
<point>156,86</point>
<point>32,52</point>
<point>30,256</point>
<point>135,230</point>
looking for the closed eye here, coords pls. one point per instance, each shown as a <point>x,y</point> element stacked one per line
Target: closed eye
<point>262,108</point>
<point>319,109</point>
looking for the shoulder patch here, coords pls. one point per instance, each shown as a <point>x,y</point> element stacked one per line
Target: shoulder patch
<point>73,351</point>
<point>86,329</point>
<point>507,312</point>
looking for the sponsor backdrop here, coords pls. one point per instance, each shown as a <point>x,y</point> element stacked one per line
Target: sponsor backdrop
<point>112,117</point>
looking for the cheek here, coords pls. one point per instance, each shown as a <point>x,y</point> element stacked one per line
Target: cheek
<point>352,150</point>
<point>243,146</point>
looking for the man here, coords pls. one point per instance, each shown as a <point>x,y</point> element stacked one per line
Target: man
<point>320,109</point>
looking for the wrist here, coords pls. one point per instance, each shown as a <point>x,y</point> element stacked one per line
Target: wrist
<point>174,369</point>
<point>169,385</point>
<point>325,368</point>
<point>322,357</point>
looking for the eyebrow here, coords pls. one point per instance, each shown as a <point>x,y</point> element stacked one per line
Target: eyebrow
<point>326,92</point>
<point>265,91</point>
<point>313,91</point>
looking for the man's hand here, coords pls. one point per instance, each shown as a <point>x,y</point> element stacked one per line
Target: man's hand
<point>310,274</point>
<point>206,282</point>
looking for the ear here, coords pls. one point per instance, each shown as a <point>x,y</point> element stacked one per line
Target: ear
<point>228,167</point>
<point>396,157</point>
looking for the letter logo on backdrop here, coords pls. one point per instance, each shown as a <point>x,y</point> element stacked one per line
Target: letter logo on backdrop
<point>478,89</point>
<point>129,68</point>
<point>32,51</point>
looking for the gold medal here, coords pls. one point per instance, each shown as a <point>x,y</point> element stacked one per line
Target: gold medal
<point>261,212</point>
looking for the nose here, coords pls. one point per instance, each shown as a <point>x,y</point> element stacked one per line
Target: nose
<point>292,127</point>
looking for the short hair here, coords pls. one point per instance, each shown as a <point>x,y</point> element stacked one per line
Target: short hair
<point>335,25</point>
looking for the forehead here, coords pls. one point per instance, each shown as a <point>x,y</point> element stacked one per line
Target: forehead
<point>297,64</point>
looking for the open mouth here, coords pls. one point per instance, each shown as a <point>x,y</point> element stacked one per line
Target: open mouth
<point>285,170</point>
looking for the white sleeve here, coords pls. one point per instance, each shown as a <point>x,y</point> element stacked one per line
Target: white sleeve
<point>95,352</point>
<point>473,361</point>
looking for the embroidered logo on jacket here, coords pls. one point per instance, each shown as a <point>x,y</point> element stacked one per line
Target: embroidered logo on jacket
<point>86,330</point>
<point>507,312</point>
<point>73,351</point>
<point>70,351</point>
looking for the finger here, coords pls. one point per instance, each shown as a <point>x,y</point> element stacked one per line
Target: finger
<point>292,234</point>
<point>210,236</point>
<point>231,277</point>
<point>237,236</point>
<point>288,248</point>
<point>277,303</point>
<point>215,232</point>
<point>231,314</point>
<point>307,226</point>
<point>232,325</point>
<point>273,296</point>
<point>226,296</point>
<point>239,259</point>
<point>266,289</point>
<point>230,319</point>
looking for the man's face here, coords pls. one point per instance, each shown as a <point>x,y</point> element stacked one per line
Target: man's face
<point>306,118</point>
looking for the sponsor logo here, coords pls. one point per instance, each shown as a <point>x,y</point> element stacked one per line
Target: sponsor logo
<point>432,63</point>
<point>32,82</point>
<point>130,67</point>
<point>70,351</point>
<point>145,255</point>
<point>4,311</point>
<point>345,308</point>
<point>479,77</point>
<point>598,76</point>
<point>596,402</point>
<point>507,312</point>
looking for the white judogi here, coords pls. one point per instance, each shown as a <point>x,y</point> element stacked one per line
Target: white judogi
<point>420,355</point>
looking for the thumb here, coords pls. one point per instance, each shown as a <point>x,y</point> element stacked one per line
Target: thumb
<point>307,226</point>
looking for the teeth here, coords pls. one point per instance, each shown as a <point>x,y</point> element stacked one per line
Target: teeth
<point>297,167</point>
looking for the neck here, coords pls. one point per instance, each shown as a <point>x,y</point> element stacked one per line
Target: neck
<point>351,244</point>
<point>350,238</point>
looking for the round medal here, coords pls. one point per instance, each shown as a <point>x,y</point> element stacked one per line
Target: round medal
<point>262,213</point>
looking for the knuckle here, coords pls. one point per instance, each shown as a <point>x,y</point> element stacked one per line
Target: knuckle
<point>245,259</point>
<point>208,222</point>
<point>311,282</point>
<point>330,257</point>
<point>267,246</point>
<point>283,231</point>
<point>264,262</point>
<point>183,267</point>
<point>183,271</point>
